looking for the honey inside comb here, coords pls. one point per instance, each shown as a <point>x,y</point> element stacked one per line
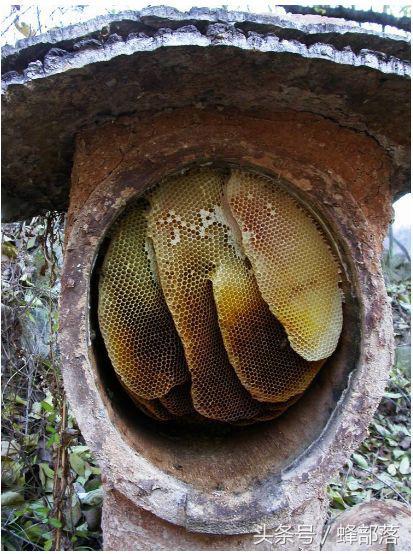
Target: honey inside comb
<point>219,298</point>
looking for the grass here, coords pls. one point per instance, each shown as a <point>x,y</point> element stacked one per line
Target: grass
<point>380,468</point>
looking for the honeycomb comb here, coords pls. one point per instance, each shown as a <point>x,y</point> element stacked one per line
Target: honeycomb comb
<point>295,269</point>
<point>135,323</point>
<point>213,304</point>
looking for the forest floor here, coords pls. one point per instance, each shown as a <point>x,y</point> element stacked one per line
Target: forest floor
<point>51,486</point>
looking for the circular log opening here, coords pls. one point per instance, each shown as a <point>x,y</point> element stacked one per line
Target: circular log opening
<point>215,450</point>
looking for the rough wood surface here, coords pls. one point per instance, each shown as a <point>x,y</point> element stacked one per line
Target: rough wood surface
<point>159,59</point>
<point>141,530</point>
<point>376,525</point>
<point>267,476</point>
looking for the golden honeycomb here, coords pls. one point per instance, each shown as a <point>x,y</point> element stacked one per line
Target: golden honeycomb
<point>295,270</point>
<point>134,320</point>
<point>219,298</point>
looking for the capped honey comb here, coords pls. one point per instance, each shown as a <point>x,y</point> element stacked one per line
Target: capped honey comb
<point>292,263</point>
<point>200,316</point>
<point>134,320</point>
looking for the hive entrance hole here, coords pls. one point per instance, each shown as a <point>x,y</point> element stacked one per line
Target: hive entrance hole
<point>181,431</point>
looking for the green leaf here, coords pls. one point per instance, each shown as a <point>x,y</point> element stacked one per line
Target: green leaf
<point>46,406</point>
<point>48,487</point>
<point>9,448</point>
<point>377,486</point>
<point>72,513</point>
<point>77,464</point>
<point>33,530</point>
<point>82,530</point>
<point>93,484</point>
<point>392,395</point>
<point>392,470</point>
<point>92,498</point>
<point>397,453</point>
<point>80,449</point>
<point>48,544</point>
<point>31,440</point>
<point>381,430</point>
<point>55,523</point>
<point>81,480</point>
<point>404,467</point>
<point>24,280</point>
<point>54,439</point>
<point>88,471</point>
<point>11,474</point>
<point>353,484</point>
<point>42,512</point>
<point>18,400</point>
<point>360,460</point>
<point>31,243</point>
<point>9,250</point>
<point>36,410</point>
<point>11,498</point>
<point>336,499</point>
<point>49,472</point>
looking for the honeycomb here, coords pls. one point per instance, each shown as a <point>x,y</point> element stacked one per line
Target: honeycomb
<point>134,320</point>
<point>219,298</point>
<point>295,270</point>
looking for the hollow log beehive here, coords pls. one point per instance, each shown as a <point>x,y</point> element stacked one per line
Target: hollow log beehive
<point>195,277</point>
<point>225,333</point>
